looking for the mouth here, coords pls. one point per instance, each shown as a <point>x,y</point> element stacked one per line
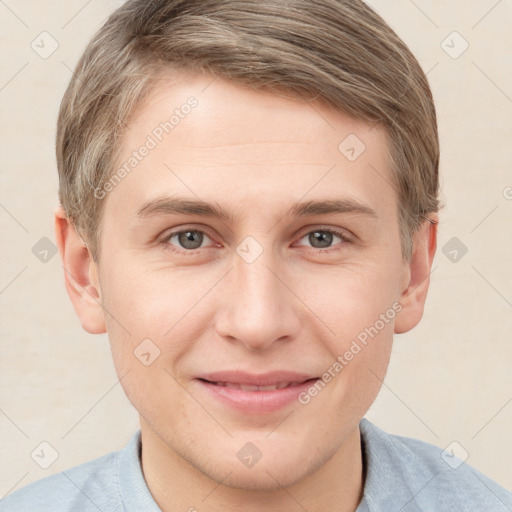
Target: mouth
<point>255,394</point>
<point>253,387</point>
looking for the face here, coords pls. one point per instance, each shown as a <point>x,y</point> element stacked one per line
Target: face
<point>250,246</point>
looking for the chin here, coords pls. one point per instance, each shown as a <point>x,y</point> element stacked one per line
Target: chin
<point>271,472</point>
<point>265,478</point>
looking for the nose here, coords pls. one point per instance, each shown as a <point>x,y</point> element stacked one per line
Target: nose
<point>256,306</point>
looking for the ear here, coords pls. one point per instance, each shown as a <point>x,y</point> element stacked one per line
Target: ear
<point>80,274</point>
<point>415,288</point>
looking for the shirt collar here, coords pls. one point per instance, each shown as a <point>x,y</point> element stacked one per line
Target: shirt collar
<point>132,486</point>
<point>394,473</point>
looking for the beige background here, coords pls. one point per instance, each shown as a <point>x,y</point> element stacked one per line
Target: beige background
<point>449,380</point>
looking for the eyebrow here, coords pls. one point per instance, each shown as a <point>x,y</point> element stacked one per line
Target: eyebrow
<point>176,205</point>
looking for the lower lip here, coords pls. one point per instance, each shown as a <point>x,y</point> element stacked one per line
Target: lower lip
<point>256,402</point>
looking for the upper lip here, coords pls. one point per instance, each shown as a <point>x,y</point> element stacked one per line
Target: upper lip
<point>251,379</point>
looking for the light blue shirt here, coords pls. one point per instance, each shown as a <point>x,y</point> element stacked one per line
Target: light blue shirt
<point>402,475</point>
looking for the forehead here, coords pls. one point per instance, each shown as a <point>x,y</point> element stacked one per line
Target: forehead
<point>211,138</point>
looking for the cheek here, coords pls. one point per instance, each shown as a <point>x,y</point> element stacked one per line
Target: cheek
<point>155,312</point>
<point>152,301</point>
<point>352,297</point>
<point>362,362</point>
<point>149,334</point>
<point>359,306</point>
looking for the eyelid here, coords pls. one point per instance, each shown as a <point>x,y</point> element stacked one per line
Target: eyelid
<point>343,233</point>
<point>168,234</point>
<point>345,236</point>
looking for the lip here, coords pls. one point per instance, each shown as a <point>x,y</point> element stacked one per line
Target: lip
<point>255,402</point>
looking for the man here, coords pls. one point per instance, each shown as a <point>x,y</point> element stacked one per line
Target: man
<point>249,196</point>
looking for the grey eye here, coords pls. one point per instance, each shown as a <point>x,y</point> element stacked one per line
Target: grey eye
<point>320,239</point>
<point>190,239</point>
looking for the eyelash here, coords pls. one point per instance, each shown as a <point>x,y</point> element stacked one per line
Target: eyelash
<point>345,239</point>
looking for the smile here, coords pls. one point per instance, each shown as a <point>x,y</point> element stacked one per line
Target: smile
<point>249,387</point>
<point>255,394</point>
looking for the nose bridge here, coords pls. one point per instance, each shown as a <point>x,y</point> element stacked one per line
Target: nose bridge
<point>258,308</point>
<point>256,285</point>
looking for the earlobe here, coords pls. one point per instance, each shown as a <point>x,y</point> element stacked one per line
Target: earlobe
<point>414,294</point>
<point>80,274</point>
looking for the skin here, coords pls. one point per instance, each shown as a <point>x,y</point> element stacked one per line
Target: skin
<point>296,307</point>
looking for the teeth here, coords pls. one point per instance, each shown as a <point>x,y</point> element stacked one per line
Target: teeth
<point>228,384</point>
<point>268,388</point>
<point>249,387</point>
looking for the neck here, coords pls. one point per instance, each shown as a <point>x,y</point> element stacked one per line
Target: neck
<point>176,484</point>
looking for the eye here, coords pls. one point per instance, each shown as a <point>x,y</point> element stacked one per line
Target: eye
<point>324,238</point>
<point>188,239</point>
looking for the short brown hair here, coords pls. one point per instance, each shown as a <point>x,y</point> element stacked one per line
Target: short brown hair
<point>336,51</point>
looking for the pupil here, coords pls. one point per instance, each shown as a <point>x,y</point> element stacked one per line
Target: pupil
<point>320,239</point>
<point>191,239</point>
